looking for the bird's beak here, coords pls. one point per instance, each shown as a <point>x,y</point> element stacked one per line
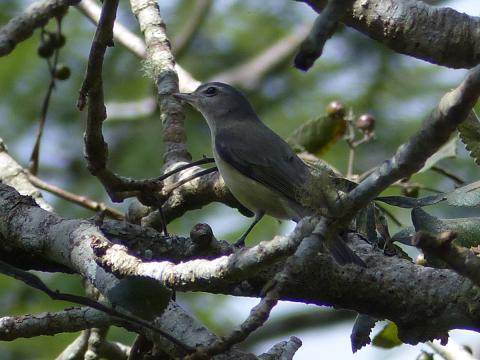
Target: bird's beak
<point>189,98</point>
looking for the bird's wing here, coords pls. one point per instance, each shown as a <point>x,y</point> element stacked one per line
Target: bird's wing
<point>264,157</point>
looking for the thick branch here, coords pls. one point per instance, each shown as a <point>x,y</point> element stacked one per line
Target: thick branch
<point>22,27</point>
<point>11,173</point>
<point>188,275</point>
<point>161,66</point>
<point>26,227</point>
<point>441,36</point>
<point>51,323</point>
<point>389,287</point>
<point>194,195</point>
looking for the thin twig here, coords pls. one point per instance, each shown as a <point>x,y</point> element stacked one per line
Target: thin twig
<point>353,143</point>
<point>323,28</point>
<point>258,316</point>
<point>34,157</point>
<point>77,199</point>
<point>350,139</point>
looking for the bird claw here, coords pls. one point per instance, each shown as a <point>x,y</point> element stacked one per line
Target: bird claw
<point>240,243</point>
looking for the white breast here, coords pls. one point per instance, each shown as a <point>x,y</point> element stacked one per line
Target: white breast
<point>253,195</point>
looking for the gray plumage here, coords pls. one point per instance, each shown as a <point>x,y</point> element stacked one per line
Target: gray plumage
<point>258,166</point>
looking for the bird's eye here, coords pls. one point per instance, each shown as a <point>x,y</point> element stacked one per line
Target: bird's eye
<point>211,91</point>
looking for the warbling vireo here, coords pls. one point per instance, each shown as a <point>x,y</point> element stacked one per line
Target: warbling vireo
<point>258,166</point>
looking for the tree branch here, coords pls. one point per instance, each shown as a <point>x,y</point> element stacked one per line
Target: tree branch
<point>188,275</point>
<point>96,149</point>
<point>22,27</point>
<point>160,65</point>
<point>77,199</point>
<point>408,27</point>
<point>28,228</point>
<point>51,323</point>
<point>389,287</point>
<point>194,195</point>
<point>460,259</point>
<point>323,28</point>
<point>11,173</point>
<point>76,350</point>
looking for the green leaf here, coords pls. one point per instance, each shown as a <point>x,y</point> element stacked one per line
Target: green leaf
<point>317,135</point>
<point>388,337</point>
<point>470,135</point>
<point>467,229</point>
<point>142,296</point>
<point>448,150</point>
<point>409,202</point>
<point>468,195</point>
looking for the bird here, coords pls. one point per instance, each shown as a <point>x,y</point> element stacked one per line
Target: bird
<point>259,168</point>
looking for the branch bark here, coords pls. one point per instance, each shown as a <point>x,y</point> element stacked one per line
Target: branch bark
<point>160,65</point>
<point>390,288</point>
<point>414,28</point>
<point>51,323</point>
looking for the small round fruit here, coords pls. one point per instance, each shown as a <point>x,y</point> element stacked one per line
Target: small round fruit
<point>335,108</point>
<point>410,191</point>
<point>45,50</point>
<point>365,123</point>
<point>62,72</point>
<point>58,40</point>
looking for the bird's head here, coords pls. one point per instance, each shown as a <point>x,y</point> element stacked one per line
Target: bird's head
<point>218,103</point>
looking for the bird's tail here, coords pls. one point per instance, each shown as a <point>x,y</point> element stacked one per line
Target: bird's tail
<point>342,253</point>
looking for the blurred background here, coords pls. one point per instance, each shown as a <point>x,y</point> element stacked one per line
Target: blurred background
<point>365,76</point>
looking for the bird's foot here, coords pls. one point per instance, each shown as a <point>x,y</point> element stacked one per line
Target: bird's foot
<point>240,243</point>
